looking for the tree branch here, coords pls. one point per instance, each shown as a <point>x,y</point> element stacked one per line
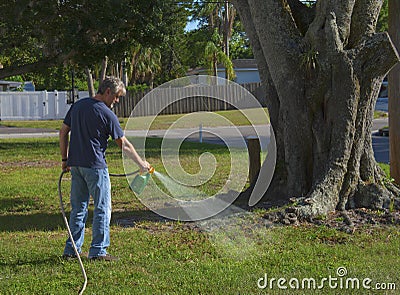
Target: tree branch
<point>332,33</point>
<point>364,19</point>
<point>377,55</point>
<point>341,9</point>
<point>36,66</point>
<point>245,16</point>
<point>278,35</point>
<point>272,97</point>
<point>26,68</point>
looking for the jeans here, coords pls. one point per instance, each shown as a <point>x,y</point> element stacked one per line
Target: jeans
<point>88,182</point>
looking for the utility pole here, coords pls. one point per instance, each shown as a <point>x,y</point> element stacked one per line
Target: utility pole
<point>394,94</point>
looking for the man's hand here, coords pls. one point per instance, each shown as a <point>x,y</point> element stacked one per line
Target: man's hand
<point>144,167</point>
<point>64,166</point>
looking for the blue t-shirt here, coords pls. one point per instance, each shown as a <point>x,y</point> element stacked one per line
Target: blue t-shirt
<point>91,123</point>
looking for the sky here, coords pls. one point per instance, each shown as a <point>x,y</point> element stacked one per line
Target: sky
<point>191,25</point>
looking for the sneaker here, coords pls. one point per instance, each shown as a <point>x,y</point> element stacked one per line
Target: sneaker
<point>106,257</point>
<point>73,256</point>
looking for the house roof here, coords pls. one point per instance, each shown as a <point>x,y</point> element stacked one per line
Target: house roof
<point>244,63</point>
<point>248,63</point>
<point>10,83</point>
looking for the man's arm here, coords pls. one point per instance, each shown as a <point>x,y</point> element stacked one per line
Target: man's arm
<point>129,150</point>
<point>64,139</point>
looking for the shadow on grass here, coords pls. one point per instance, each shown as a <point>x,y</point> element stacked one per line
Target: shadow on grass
<point>130,218</point>
<point>50,221</point>
<point>29,222</point>
<point>26,220</point>
<point>53,259</point>
<point>18,205</point>
<point>54,221</point>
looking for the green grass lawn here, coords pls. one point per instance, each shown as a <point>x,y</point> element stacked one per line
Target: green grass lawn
<point>163,122</point>
<point>168,257</point>
<point>238,118</point>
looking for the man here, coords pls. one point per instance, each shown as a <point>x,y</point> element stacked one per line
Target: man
<point>91,122</point>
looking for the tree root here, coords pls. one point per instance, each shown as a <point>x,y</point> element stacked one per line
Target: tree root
<point>393,189</point>
<point>370,202</point>
<point>348,221</point>
<point>318,204</point>
<point>374,196</point>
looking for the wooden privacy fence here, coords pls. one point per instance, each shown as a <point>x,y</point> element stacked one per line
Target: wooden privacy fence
<point>193,98</point>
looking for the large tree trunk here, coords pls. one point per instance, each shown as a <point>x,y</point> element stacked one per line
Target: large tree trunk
<point>323,67</point>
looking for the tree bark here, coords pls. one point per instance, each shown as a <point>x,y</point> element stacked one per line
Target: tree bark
<point>90,84</point>
<point>278,188</point>
<point>325,64</point>
<point>103,69</point>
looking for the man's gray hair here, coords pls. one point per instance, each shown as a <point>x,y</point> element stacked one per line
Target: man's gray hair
<point>115,84</point>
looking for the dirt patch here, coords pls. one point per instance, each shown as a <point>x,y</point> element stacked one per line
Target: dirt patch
<point>361,218</point>
<point>29,164</point>
<point>358,219</point>
<point>348,221</point>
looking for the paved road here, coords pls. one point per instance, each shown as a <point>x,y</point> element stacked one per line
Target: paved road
<point>15,132</point>
<point>234,137</point>
<point>380,144</point>
<point>382,104</point>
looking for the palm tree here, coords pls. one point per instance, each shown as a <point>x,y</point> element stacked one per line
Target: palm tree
<point>145,64</point>
<point>214,55</point>
<point>220,18</point>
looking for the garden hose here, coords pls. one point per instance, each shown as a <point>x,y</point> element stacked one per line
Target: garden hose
<point>70,234</point>
<point>123,174</point>
<point>69,230</point>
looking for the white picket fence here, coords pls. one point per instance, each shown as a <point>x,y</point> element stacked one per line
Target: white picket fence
<point>37,105</point>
